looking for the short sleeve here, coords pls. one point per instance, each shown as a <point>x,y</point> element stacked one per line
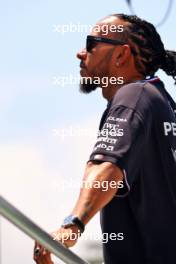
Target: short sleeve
<point>121,141</point>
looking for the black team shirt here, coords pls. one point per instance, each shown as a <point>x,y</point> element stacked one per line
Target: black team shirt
<point>138,134</point>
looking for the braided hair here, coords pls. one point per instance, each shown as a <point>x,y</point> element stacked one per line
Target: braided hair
<point>147,47</point>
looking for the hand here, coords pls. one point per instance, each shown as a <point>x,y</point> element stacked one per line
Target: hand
<point>42,255</point>
<point>67,236</point>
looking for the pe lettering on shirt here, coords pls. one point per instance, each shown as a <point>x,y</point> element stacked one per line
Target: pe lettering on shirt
<point>169,127</point>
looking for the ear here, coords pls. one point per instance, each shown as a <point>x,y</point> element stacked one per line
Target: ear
<point>123,55</point>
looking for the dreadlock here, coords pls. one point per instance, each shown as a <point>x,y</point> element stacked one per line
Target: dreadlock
<point>147,47</point>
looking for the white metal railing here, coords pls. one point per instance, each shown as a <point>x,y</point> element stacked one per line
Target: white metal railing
<point>21,221</point>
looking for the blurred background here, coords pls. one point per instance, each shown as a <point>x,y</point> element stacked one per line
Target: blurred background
<point>48,129</point>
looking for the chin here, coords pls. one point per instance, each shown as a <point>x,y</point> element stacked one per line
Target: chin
<point>87,87</point>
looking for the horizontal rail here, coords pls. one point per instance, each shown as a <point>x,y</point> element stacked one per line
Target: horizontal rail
<point>21,221</point>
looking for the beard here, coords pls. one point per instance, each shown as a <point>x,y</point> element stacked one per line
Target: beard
<point>86,86</point>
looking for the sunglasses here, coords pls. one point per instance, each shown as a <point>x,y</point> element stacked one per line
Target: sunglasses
<point>92,41</point>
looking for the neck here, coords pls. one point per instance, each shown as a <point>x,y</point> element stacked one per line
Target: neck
<point>109,91</point>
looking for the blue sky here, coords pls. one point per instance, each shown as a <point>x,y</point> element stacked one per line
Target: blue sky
<point>32,54</point>
<point>33,159</point>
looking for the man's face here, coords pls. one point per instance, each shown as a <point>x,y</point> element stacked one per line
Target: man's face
<point>97,62</point>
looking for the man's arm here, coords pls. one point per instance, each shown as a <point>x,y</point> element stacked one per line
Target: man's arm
<point>90,201</point>
<point>93,199</point>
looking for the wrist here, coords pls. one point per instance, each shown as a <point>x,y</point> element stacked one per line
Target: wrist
<point>73,220</point>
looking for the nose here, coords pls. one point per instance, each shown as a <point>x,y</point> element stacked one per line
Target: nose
<point>82,54</point>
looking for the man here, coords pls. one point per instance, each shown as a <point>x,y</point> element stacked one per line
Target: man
<point>136,144</point>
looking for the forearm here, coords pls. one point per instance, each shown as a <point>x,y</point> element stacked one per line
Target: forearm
<point>92,199</point>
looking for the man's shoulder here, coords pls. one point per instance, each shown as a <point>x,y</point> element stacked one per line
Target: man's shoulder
<point>134,94</point>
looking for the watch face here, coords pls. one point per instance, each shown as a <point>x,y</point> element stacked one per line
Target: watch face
<point>73,220</point>
<point>68,220</point>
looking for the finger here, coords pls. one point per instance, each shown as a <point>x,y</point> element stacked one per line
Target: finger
<point>37,252</point>
<point>37,246</point>
<point>44,259</point>
<point>41,258</point>
<point>45,252</point>
<point>41,261</point>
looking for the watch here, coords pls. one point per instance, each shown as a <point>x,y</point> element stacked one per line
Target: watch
<point>73,220</point>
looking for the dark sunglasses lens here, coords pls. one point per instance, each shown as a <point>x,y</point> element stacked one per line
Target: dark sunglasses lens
<point>90,44</point>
